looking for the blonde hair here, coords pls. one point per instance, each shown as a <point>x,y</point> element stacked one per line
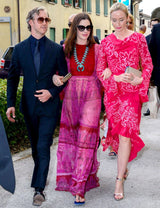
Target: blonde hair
<point>119,6</point>
<point>130,23</point>
<point>131,17</point>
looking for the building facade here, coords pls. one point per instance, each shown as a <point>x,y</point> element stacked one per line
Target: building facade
<point>13,14</point>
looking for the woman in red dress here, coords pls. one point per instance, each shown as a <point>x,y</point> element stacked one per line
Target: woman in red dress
<point>124,92</point>
<point>77,163</point>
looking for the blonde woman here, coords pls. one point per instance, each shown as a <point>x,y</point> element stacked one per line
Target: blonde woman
<point>124,92</point>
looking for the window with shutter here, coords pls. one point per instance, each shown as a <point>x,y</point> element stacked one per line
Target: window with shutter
<point>89,6</point>
<point>77,3</point>
<point>52,1</point>
<point>67,2</point>
<point>105,7</point>
<point>98,7</point>
<point>111,2</point>
<point>65,32</point>
<point>98,33</point>
<point>52,34</point>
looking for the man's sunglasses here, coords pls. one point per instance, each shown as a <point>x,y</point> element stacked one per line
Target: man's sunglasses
<point>69,24</point>
<point>40,20</point>
<point>82,28</point>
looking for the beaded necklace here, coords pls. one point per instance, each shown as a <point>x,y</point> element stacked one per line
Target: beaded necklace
<point>80,66</point>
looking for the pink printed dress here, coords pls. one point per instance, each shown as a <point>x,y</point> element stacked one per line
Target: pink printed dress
<point>77,163</point>
<point>123,101</point>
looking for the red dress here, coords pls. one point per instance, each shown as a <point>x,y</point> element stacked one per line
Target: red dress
<point>77,163</point>
<point>123,101</point>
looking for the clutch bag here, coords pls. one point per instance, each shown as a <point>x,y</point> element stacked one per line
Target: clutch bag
<point>67,77</point>
<point>134,71</point>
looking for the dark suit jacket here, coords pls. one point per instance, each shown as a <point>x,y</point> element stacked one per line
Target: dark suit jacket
<point>148,37</point>
<point>154,48</point>
<point>22,59</point>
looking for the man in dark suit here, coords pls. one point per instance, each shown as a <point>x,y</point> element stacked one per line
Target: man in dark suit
<point>39,59</point>
<point>154,21</point>
<point>154,48</point>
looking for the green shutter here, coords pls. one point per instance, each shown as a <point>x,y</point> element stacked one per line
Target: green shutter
<point>70,2</point>
<point>64,33</point>
<point>111,2</point>
<point>97,6</point>
<point>88,5</point>
<point>52,34</point>
<point>105,7</point>
<point>98,33</point>
<point>62,2</point>
<point>80,3</point>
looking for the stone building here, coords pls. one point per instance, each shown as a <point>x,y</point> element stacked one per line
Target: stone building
<point>13,14</point>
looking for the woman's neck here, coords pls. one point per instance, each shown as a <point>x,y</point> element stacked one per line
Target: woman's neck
<point>81,42</point>
<point>123,34</point>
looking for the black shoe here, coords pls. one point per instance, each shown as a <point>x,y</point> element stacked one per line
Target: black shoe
<point>147,113</point>
<point>38,198</point>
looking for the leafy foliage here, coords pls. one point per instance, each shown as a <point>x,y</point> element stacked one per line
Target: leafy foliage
<point>16,132</point>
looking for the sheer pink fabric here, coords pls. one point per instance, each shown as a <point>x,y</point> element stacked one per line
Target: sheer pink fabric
<point>77,163</point>
<point>123,101</point>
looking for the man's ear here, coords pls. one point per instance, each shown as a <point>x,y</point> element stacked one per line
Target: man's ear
<point>30,22</point>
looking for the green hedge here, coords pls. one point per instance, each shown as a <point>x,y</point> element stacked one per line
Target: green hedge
<point>16,132</point>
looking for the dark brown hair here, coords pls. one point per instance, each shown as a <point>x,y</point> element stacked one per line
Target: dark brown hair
<point>72,35</point>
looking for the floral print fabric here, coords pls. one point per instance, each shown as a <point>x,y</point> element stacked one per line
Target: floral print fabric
<point>123,101</point>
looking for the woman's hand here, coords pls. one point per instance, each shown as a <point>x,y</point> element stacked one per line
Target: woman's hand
<point>106,73</point>
<point>128,78</point>
<point>136,80</point>
<point>122,78</point>
<point>57,80</point>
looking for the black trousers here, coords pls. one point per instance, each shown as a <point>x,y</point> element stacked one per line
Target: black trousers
<point>40,129</point>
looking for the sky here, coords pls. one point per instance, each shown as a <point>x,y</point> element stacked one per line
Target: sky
<point>149,5</point>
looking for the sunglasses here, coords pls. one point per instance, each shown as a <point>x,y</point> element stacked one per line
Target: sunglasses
<point>82,28</point>
<point>69,24</point>
<point>40,20</point>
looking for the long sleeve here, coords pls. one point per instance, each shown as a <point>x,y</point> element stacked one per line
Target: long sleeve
<point>109,84</point>
<point>13,80</point>
<point>147,67</point>
<point>62,70</point>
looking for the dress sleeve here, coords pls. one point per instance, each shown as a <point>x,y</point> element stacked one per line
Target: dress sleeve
<point>110,85</point>
<point>147,67</point>
<point>102,63</point>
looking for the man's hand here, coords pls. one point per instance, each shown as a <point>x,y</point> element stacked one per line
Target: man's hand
<point>57,80</point>
<point>10,113</point>
<point>43,95</point>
